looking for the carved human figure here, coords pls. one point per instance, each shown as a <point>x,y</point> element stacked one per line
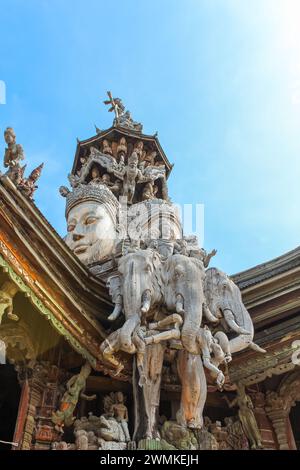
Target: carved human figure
<point>208,346</point>
<point>75,390</point>
<point>122,148</point>
<point>92,227</point>
<point>168,329</point>
<point>130,176</point>
<point>115,186</point>
<point>7,292</point>
<point>120,413</point>
<point>121,164</point>
<point>149,191</point>
<point>106,147</point>
<point>150,158</point>
<point>14,152</point>
<point>138,148</point>
<point>95,175</point>
<point>246,416</point>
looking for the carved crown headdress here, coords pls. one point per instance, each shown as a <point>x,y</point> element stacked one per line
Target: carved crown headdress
<point>91,192</point>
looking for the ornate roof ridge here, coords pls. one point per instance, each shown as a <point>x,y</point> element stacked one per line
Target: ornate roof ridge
<point>268,269</point>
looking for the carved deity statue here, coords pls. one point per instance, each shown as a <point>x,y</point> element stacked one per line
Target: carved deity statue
<point>149,159</point>
<point>106,147</point>
<point>122,116</point>
<point>131,175</point>
<point>75,390</point>
<point>95,175</point>
<point>28,185</point>
<point>91,214</point>
<point>246,416</point>
<point>119,411</point>
<point>122,148</point>
<point>14,152</point>
<point>138,149</point>
<point>149,191</point>
<point>12,157</point>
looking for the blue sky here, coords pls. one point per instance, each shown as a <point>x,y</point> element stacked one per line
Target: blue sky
<point>218,79</point>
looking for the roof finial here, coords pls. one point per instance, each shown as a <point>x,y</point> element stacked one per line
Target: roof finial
<point>122,116</point>
<point>116,105</point>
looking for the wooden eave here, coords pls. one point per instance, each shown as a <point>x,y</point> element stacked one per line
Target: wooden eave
<point>39,258</point>
<point>271,293</point>
<point>122,132</point>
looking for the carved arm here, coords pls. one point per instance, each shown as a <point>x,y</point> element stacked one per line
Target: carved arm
<point>88,397</point>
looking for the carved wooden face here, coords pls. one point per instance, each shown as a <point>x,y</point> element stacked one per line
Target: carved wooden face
<point>9,136</point>
<point>91,232</point>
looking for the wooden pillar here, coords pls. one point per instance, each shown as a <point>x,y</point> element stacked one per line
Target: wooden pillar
<point>34,428</point>
<point>36,386</point>
<point>45,432</point>
<point>22,414</point>
<point>268,437</point>
<point>279,415</point>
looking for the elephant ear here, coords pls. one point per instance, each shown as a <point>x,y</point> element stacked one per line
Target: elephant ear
<point>121,264</point>
<point>199,265</point>
<point>212,291</point>
<point>156,260</point>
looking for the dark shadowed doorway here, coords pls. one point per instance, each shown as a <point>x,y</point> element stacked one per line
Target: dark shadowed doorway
<point>9,403</point>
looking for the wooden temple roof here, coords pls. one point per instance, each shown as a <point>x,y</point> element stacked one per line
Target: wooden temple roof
<point>115,132</point>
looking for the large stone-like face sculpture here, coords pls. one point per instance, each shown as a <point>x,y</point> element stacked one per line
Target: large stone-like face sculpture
<point>91,231</point>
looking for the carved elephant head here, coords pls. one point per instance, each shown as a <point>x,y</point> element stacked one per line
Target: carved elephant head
<point>139,288</point>
<point>224,300</point>
<point>183,278</point>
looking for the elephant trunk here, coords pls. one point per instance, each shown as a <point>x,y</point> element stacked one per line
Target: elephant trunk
<point>191,324</point>
<point>132,307</point>
<point>118,308</point>
<point>179,304</point>
<point>146,301</point>
<point>126,332</point>
<point>229,318</point>
<point>239,321</point>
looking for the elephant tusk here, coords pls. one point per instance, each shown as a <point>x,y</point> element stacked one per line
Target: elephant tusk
<point>179,304</point>
<point>229,318</point>
<point>210,317</point>
<point>257,348</point>
<point>146,301</point>
<point>117,310</point>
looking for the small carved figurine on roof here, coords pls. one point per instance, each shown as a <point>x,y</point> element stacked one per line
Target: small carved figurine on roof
<point>122,116</point>
<point>13,155</point>
<point>27,186</point>
<point>14,152</point>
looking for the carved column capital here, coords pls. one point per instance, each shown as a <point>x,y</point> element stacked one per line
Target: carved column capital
<point>275,402</point>
<point>277,410</point>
